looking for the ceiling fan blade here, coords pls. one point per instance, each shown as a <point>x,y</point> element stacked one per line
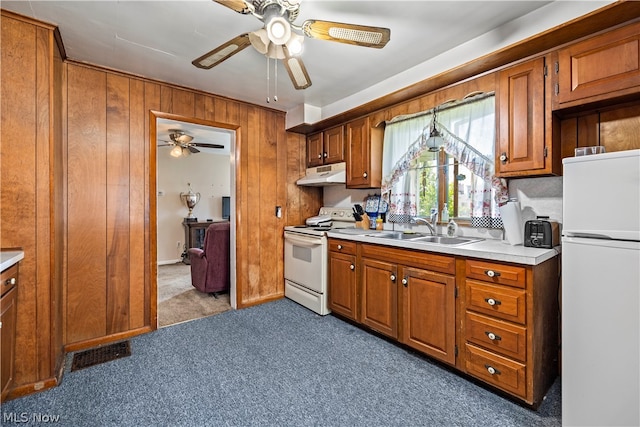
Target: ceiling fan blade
<point>166,145</point>
<point>296,69</point>
<point>192,149</point>
<point>239,6</point>
<point>360,35</point>
<point>222,52</point>
<point>198,144</point>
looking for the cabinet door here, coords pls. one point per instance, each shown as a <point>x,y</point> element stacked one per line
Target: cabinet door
<point>601,67</point>
<point>7,339</point>
<point>428,313</point>
<point>314,150</point>
<point>334,145</point>
<point>379,303</point>
<point>357,153</point>
<point>521,129</point>
<point>342,285</point>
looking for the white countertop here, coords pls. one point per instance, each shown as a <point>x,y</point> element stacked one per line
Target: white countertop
<point>9,258</point>
<point>490,249</point>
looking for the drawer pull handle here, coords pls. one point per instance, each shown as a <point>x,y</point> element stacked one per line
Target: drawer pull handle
<point>339,247</point>
<point>492,336</point>
<point>492,370</point>
<point>492,301</point>
<point>353,267</point>
<point>492,273</point>
<point>11,281</point>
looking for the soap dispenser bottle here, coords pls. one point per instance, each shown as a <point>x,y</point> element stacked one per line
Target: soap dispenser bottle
<point>452,228</point>
<point>444,217</point>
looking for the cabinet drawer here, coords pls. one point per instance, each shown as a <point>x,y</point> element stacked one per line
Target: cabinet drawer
<point>496,335</point>
<point>496,273</point>
<point>9,278</point>
<point>498,301</point>
<point>342,246</point>
<point>499,371</point>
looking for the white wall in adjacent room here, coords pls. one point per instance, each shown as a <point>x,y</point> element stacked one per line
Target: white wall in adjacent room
<point>209,175</point>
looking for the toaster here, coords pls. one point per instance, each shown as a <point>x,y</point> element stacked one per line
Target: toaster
<point>541,233</point>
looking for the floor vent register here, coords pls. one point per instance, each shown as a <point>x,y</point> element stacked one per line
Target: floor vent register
<point>96,356</point>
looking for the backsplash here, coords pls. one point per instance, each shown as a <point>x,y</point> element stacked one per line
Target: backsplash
<point>538,197</point>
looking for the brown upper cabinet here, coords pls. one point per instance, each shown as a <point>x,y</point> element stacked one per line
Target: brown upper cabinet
<point>363,154</point>
<point>326,147</point>
<point>524,122</point>
<point>600,68</point>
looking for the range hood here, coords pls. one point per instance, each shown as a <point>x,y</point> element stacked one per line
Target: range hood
<point>325,175</point>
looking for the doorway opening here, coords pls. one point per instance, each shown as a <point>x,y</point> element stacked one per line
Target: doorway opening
<point>194,162</point>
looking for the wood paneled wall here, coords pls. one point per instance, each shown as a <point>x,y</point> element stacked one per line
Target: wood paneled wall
<point>32,195</point>
<point>111,268</point>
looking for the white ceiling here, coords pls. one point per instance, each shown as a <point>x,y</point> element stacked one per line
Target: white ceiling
<point>159,39</point>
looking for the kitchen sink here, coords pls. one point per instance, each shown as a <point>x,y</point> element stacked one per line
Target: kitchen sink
<point>424,238</point>
<point>399,235</point>
<point>444,240</point>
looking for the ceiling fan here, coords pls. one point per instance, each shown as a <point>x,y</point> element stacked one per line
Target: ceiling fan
<point>183,145</point>
<point>278,40</point>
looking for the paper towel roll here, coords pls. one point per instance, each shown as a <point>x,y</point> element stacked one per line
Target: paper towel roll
<point>512,222</point>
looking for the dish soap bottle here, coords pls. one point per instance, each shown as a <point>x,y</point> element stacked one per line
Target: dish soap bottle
<point>444,217</point>
<point>452,228</point>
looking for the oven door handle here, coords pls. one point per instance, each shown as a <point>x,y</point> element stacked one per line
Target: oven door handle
<point>303,241</point>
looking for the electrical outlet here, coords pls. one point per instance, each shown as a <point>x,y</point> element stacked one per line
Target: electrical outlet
<point>178,244</point>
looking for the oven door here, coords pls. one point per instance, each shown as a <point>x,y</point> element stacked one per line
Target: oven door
<point>305,260</point>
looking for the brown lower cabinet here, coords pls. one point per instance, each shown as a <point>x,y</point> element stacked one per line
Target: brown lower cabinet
<point>494,321</point>
<point>8,312</point>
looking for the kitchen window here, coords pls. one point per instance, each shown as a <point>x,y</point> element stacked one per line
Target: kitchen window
<point>422,173</point>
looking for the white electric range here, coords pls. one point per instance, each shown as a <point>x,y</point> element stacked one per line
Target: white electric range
<point>306,257</point>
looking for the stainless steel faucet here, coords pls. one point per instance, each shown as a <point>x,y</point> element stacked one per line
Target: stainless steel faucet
<point>431,225</point>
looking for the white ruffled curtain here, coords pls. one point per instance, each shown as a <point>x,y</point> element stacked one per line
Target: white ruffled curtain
<point>468,130</point>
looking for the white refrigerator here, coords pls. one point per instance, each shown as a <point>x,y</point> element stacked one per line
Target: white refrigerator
<point>600,290</point>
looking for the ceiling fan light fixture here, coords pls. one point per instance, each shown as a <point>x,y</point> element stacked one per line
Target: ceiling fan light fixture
<point>275,51</point>
<point>260,40</point>
<point>294,44</point>
<point>278,30</point>
<point>176,151</point>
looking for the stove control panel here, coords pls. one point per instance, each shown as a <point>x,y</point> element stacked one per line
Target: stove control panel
<point>338,214</point>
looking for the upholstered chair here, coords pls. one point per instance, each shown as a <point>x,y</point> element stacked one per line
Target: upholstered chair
<point>210,265</point>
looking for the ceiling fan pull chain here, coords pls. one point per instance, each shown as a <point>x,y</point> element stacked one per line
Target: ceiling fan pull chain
<point>275,72</point>
<point>267,79</point>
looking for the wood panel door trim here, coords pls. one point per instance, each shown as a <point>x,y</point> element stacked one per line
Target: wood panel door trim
<point>235,219</point>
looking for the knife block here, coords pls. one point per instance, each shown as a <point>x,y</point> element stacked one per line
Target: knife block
<point>365,224</point>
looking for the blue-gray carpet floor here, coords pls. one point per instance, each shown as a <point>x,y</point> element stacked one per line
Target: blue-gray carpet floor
<point>277,364</point>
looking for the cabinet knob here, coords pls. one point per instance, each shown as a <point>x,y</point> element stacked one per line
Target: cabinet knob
<point>492,273</point>
<point>11,281</point>
<point>492,301</point>
<point>492,370</point>
<point>364,175</point>
<point>492,336</point>
<point>325,155</point>
<point>353,267</point>
<point>405,281</point>
<point>503,158</point>
<point>319,156</point>
<point>339,247</point>
<point>392,277</point>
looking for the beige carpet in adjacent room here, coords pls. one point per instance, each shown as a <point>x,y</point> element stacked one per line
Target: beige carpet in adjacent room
<point>179,301</point>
